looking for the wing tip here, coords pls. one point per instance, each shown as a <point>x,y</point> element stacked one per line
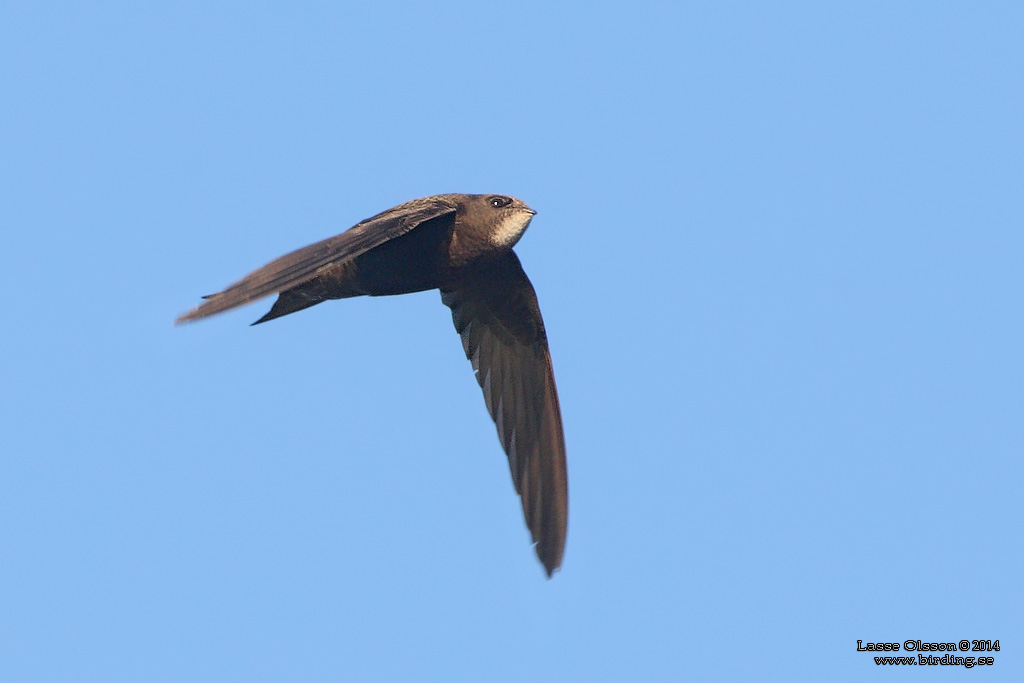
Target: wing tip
<point>186,317</point>
<point>550,553</point>
<point>203,310</point>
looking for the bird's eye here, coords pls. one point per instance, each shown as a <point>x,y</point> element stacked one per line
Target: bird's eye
<point>498,201</point>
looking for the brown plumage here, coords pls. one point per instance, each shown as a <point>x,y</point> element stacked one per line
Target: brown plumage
<point>462,245</point>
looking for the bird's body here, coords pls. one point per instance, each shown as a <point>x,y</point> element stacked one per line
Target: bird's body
<point>462,245</point>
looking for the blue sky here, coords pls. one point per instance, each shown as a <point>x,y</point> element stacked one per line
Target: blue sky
<point>778,250</point>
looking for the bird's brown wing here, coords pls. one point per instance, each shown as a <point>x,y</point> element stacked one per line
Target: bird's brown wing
<point>496,312</point>
<point>302,265</point>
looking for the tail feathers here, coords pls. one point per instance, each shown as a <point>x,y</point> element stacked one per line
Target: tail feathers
<point>289,302</point>
<point>295,299</point>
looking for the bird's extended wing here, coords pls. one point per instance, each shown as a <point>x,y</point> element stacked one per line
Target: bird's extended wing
<point>496,312</point>
<point>301,265</point>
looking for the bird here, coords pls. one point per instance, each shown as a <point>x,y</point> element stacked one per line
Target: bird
<point>460,244</point>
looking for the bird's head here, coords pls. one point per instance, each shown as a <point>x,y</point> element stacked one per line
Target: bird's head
<point>506,217</point>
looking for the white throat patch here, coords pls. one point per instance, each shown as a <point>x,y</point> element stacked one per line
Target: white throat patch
<point>511,229</point>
